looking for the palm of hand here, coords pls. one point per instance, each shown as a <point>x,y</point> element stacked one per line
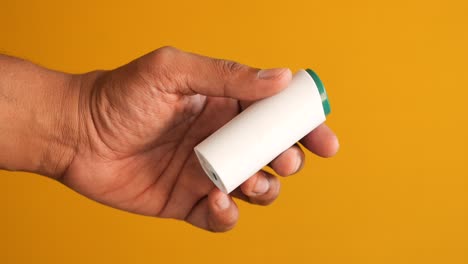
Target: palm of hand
<point>144,163</point>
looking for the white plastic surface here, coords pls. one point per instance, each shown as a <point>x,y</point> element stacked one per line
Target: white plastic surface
<point>260,133</point>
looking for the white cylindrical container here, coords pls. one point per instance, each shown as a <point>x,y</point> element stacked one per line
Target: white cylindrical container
<point>264,130</point>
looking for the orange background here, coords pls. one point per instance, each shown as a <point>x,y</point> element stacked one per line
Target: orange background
<point>396,73</point>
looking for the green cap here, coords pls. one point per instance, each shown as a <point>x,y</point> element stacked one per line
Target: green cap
<point>321,89</point>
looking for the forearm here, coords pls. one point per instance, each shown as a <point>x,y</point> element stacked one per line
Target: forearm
<point>38,118</point>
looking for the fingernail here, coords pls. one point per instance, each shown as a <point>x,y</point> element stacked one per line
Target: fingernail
<point>261,186</point>
<point>298,163</point>
<point>223,202</point>
<point>337,144</point>
<point>270,73</point>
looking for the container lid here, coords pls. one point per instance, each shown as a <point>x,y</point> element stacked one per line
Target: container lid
<point>322,91</point>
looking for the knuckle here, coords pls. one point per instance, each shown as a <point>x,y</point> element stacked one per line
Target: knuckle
<point>227,67</point>
<point>161,64</point>
<point>270,196</point>
<point>164,55</point>
<point>223,221</point>
<point>168,49</point>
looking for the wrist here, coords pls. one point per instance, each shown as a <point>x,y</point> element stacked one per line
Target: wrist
<point>39,116</point>
<point>61,134</point>
<point>56,122</point>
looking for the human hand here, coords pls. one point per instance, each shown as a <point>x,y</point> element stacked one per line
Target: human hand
<point>138,125</point>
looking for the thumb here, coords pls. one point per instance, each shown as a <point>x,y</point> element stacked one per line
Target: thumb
<point>196,74</point>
